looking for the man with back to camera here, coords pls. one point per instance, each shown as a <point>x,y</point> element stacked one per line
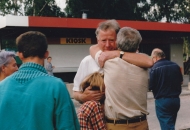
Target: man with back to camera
<point>106,37</point>
<point>125,110</point>
<point>30,99</point>
<point>165,83</point>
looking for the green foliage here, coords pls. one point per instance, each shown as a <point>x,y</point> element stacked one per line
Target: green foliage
<point>42,8</point>
<point>186,48</point>
<point>9,44</point>
<point>10,7</point>
<point>172,10</point>
<point>31,8</point>
<point>107,9</point>
<point>154,10</point>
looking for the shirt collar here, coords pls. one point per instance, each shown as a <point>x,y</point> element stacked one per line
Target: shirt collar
<point>32,65</point>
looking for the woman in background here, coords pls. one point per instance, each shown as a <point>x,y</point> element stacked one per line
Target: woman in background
<point>8,64</point>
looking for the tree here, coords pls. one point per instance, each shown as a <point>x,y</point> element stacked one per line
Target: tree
<point>154,10</point>
<point>108,9</point>
<point>171,10</point>
<point>31,8</point>
<point>10,7</point>
<point>42,8</point>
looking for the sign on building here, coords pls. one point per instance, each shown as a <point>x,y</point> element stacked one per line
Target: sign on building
<point>75,40</point>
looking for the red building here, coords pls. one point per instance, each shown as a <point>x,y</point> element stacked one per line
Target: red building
<point>69,39</point>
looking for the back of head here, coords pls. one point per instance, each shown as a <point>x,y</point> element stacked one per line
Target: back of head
<point>158,53</point>
<point>32,44</point>
<point>108,24</point>
<point>128,39</point>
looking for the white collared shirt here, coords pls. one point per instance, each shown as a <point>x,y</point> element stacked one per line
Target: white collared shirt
<point>87,66</point>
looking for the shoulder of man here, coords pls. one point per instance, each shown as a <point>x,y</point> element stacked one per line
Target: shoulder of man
<point>86,58</point>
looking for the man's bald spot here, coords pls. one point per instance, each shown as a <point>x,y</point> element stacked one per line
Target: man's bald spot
<point>158,53</point>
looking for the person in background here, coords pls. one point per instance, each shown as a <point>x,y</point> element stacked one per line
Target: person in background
<point>91,113</point>
<point>165,83</point>
<point>49,67</point>
<point>8,64</point>
<point>106,33</point>
<point>30,99</point>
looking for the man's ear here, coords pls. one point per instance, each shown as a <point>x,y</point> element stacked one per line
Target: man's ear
<point>20,55</point>
<point>46,55</point>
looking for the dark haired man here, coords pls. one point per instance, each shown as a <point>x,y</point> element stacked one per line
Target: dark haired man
<point>165,83</point>
<point>30,98</point>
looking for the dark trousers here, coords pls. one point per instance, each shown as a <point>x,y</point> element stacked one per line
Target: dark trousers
<point>166,111</point>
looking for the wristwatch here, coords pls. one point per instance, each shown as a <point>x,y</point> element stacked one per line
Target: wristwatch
<point>121,54</point>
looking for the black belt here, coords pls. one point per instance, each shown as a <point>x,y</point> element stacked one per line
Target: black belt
<point>168,97</point>
<point>122,121</point>
<point>171,96</point>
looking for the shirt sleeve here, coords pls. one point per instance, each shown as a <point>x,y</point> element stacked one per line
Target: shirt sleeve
<point>65,117</point>
<point>82,72</point>
<point>97,56</point>
<point>151,79</point>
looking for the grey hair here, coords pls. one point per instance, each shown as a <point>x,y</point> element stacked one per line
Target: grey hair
<point>5,57</point>
<point>108,24</point>
<point>158,53</point>
<point>128,39</point>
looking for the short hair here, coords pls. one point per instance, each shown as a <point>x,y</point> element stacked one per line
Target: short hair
<point>95,80</point>
<point>158,53</point>
<point>108,24</point>
<point>5,57</point>
<point>128,39</point>
<point>49,57</point>
<point>32,44</point>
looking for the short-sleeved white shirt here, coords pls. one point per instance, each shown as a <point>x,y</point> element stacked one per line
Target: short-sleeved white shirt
<point>87,66</point>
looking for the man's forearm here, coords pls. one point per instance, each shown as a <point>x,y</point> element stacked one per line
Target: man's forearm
<point>138,59</point>
<point>93,50</point>
<point>77,96</point>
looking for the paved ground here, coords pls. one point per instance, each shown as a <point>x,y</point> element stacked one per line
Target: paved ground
<point>182,122</point>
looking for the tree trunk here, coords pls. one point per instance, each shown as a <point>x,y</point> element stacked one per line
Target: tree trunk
<point>15,7</point>
<point>34,9</point>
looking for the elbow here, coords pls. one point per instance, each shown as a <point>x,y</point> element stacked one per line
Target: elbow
<point>150,63</point>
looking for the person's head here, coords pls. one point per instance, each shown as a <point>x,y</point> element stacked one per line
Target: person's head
<point>128,39</point>
<point>8,64</point>
<point>157,54</point>
<point>95,81</point>
<point>49,58</point>
<point>106,34</point>
<point>32,44</point>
